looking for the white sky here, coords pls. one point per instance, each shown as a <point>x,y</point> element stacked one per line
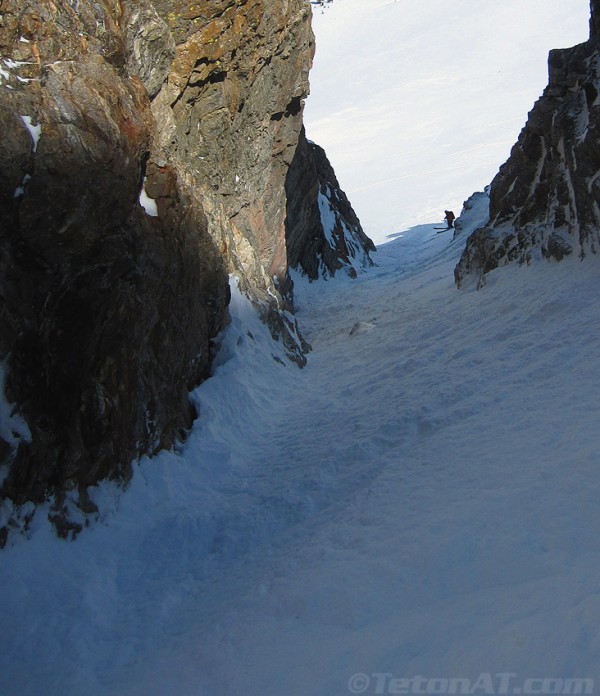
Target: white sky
<point>418,102</point>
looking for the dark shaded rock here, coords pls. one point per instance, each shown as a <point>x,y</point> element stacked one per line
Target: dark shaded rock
<point>5,450</point>
<point>65,528</point>
<point>323,234</point>
<point>85,503</point>
<point>106,314</point>
<point>543,201</point>
<point>557,247</point>
<point>106,311</point>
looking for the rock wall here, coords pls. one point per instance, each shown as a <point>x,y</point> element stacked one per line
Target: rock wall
<point>231,110</point>
<point>145,153</point>
<point>231,115</point>
<point>106,312</point>
<point>150,149</point>
<point>544,200</point>
<point>323,232</point>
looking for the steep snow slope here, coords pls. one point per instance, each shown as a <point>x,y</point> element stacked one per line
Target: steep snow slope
<point>422,499</point>
<point>418,102</point>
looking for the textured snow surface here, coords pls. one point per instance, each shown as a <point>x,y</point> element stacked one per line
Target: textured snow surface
<point>420,501</point>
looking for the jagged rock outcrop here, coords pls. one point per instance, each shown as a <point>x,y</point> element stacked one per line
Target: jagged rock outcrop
<point>107,308</point>
<point>231,111</point>
<point>544,200</point>
<point>323,232</point>
<point>232,106</point>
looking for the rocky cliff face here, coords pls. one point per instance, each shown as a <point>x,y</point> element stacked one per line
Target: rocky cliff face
<point>231,115</point>
<point>322,231</point>
<point>544,200</point>
<point>107,306</point>
<point>106,313</point>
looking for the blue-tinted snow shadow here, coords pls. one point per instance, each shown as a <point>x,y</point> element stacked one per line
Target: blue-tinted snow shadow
<point>430,228</point>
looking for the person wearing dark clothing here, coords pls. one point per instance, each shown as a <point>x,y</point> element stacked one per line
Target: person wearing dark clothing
<point>449,217</point>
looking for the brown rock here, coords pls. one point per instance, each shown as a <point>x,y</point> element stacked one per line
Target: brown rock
<point>232,115</point>
<point>106,313</point>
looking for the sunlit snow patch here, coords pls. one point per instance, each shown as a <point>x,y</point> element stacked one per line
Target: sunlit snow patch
<point>328,219</point>
<point>34,131</point>
<point>147,203</point>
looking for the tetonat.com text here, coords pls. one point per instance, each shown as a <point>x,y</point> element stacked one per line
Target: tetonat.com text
<point>486,684</point>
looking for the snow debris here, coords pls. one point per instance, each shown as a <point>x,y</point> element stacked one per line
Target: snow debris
<point>13,428</point>
<point>34,131</point>
<point>361,327</point>
<point>147,203</point>
<point>20,190</point>
<point>328,217</point>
